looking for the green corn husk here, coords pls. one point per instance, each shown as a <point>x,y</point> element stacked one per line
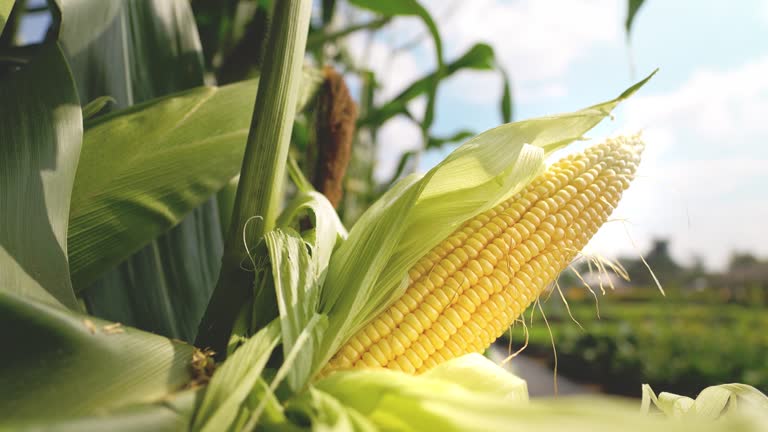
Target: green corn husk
<point>471,393</point>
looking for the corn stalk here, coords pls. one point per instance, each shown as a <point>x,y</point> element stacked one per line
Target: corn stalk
<point>260,191</point>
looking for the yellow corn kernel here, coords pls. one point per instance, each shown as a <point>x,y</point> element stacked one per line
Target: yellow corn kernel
<point>469,289</point>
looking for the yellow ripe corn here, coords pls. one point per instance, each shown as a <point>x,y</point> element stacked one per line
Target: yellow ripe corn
<point>470,288</point>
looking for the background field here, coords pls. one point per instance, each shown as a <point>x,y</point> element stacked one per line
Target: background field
<point>682,342</point>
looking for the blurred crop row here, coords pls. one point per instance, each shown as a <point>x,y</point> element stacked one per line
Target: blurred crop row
<point>682,342</point>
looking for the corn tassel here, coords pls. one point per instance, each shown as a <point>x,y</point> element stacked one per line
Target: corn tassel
<point>470,288</point>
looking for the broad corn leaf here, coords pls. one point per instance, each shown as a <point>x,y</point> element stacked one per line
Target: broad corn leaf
<point>41,133</point>
<point>65,365</point>
<point>134,51</point>
<point>142,169</point>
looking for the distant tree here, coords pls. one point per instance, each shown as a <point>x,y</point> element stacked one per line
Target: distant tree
<point>698,268</point>
<point>659,260</point>
<point>742,260</point>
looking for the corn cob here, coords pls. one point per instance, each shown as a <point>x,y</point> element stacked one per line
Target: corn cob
<point>470,288</point>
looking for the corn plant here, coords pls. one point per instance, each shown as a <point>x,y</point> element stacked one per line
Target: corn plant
<point>313,326</point>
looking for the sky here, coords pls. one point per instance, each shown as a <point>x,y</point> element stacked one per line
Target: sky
<point>704,177</point>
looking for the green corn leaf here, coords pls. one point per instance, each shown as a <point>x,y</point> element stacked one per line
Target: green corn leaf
<point>328,229</point>
<point>713,403</point>
<point>215,21</point>
<point>164,287</point>
<point>172,413</point>
<point>317,39</point>
<point>235,380</point>
<point>297,176</point>
<point>444,399</point>
<point>297,294</point>
<point>506,97</point>
<point>313,328</point>
<point>437,142</point>
<point>135,51</point>
<point>370,269</point>
<point>138,51</point>
<point>329,414</point>
<point>5,12</point>
<point>329,7</point>
<point>299,266</point>
<point>478,57</point>
<point>143,168</point>
<point>272,413</point>
<point>633,6</point>
<point>64,365</point>
<point>477,373</point>
<point>94,107</point>
<point>78,368</point>
<point>41,134</point>
<point>471,393</point>
<point>401,166</point>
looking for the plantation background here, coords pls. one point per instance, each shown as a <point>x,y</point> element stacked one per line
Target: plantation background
<point>708,329</point>
<point>682,342</point>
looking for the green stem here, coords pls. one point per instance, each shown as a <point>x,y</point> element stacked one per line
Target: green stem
<point>260,191</point>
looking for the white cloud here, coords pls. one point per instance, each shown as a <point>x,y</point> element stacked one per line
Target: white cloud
<point>720,105</point>
<point>544,91</point>
<point>703,179</point>
<point>697,227</point>
<point>536,40</point>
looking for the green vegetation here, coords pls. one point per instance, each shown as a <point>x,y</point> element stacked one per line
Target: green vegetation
<point>682,343</point>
